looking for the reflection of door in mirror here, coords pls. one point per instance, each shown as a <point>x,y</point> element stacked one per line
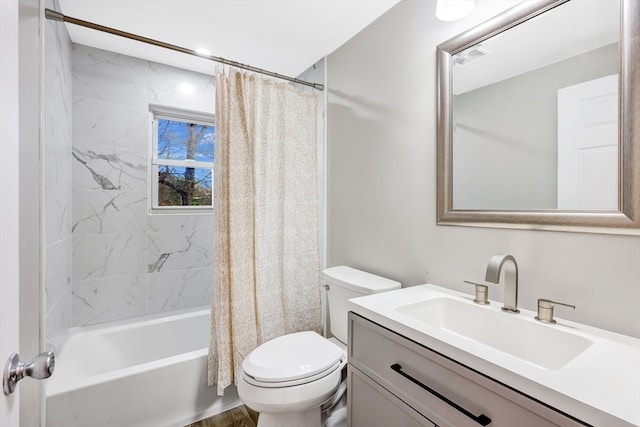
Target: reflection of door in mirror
<point>588,145</point>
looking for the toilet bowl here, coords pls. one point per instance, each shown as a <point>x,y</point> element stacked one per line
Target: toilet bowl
<point>290,378</point>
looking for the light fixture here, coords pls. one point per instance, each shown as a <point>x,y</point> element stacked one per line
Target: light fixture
<point>203,51</point>
<point>186,88</point>
<point>452,10</point>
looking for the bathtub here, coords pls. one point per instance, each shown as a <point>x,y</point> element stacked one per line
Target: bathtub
<point>149,372</point>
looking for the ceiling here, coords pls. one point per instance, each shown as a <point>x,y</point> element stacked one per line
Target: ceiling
<point>282,36</point>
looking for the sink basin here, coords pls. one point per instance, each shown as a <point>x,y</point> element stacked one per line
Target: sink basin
<point>545,346</point>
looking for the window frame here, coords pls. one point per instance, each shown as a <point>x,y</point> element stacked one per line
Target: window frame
<point>157,112</point>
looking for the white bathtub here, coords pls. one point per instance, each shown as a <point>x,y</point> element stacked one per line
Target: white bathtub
<point>151,372</point>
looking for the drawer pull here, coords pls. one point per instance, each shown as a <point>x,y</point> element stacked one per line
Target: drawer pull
<point>481,419</point>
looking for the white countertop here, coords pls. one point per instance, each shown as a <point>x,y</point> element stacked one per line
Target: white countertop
<point>601,386</point>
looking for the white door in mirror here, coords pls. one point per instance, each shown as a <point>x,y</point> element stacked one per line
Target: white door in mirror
<point>588,145</point>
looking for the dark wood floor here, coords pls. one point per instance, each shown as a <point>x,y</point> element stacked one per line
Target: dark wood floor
<point>236,417</point>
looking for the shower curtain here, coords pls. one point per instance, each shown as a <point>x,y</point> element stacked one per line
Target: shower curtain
<point>266,260</point>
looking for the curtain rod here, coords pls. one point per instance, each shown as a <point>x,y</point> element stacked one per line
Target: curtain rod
<point>57,16</point>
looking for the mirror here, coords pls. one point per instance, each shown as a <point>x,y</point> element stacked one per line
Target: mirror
<point>535,125</point>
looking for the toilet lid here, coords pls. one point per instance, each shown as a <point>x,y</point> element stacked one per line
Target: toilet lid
<point>291,357</point>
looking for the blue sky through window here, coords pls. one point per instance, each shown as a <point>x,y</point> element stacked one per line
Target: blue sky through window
<point>174,141</point>
<point>184,162</point>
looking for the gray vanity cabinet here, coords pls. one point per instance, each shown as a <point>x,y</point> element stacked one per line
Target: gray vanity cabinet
<point>392,376</point>
<point>376,406</point>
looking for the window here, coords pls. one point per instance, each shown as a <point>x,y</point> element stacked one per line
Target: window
<point>181,160</point>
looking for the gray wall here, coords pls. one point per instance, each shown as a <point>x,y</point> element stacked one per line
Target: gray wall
<point>505,135</point>
<point>382,184</point>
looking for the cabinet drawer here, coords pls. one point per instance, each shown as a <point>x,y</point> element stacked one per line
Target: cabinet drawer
<point>370,405</point>
<point>458,396</point>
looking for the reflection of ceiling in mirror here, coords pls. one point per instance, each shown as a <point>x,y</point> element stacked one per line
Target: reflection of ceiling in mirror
<point>568,30</point>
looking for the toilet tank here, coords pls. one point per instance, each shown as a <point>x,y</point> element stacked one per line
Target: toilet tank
<point>343,283</point>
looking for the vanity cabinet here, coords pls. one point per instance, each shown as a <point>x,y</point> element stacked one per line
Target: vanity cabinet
<point>390,375</point>
<point>376,406</point>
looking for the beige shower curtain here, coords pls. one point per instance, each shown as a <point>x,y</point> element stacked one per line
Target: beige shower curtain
<point>266,262</point>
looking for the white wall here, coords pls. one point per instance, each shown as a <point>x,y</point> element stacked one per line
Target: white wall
<point>126,261</point>
<point>382,184</point>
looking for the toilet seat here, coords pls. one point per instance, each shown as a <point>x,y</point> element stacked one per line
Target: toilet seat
<point>291,360</point>
<point>286,400</point>
<point>276,384</point>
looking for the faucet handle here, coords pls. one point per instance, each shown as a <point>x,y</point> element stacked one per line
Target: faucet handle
<point>482,293</point>
<point>545,309</point>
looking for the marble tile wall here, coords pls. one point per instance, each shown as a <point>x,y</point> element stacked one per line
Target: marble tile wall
<point>127,262</point>
<point>56,142</point>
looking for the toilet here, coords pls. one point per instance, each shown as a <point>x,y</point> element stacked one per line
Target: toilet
<point>290,379</point>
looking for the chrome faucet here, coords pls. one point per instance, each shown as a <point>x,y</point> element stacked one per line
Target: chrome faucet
<point>510,280</point>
